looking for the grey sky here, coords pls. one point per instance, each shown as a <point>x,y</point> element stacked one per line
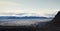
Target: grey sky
<point>29,6</point>
<point>38,4</point>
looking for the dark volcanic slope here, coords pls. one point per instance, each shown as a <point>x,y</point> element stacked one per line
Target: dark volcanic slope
<point>55,23</point>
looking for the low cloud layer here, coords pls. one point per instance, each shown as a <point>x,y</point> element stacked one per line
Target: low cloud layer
<point>15,22</point>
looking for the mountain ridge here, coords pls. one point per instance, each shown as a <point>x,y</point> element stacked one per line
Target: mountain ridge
<point>24,17</point>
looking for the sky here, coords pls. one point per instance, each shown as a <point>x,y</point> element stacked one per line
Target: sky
<point>48,8</point>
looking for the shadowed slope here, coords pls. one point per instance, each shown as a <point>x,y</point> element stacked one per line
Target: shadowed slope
<point>57,17</point>
<point>55,23</point>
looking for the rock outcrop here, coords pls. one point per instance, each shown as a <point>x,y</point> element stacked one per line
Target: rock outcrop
<point>54,25</point>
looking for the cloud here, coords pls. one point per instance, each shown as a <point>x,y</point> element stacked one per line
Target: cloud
<point>13,8</point>
<point>18,23</point>
<point>45,12</point>
<point>9,7</point>
<point>42,12</point>
<point>2,3</point>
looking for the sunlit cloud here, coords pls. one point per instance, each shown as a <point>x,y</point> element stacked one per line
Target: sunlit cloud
<point>13,8</point>
<point>6,3</point>
<point>46,13</point>
<point>9,7</point>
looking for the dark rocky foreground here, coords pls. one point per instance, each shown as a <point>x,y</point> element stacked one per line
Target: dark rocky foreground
<point>53,25</point>
<point>21,28</point>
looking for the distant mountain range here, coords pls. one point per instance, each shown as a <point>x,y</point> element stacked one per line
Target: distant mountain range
<point>24,17</point>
